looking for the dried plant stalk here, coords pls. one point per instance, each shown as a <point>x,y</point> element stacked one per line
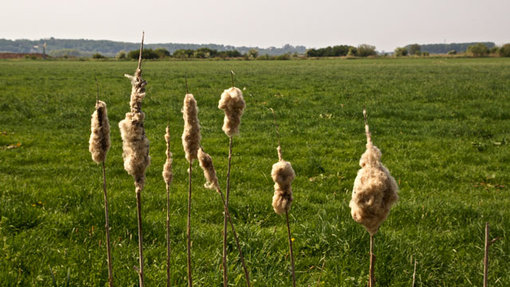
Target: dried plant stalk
<point>233,104</point>
<point>373,194</point>
<point>207,166</point>
<point>191,143</point>
<point>488,243</point>
<point>99,144</point>
<point>283,174</point>
<point>167,177</point>
<point>135,147</point>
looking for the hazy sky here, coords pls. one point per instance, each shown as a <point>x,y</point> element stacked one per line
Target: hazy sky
<point>313,23</point>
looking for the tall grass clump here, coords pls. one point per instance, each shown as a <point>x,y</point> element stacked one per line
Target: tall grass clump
<point>283,174</point>
<point>373,194</point>
<point>135,147</point>
<point>99,144</point>
<point>191,143</point>
<point>233,104</point>
<point>207,166</point>
<point>167,177</point>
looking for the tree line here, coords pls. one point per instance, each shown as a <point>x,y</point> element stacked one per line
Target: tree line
<point>363,50</point>
<point>474,49</point>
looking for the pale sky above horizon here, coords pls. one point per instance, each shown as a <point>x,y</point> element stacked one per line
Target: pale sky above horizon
<point>386,24</point>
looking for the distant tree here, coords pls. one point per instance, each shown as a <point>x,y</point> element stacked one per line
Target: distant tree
<point>121,55</point>
<point>183,53</point>
<point>147,54</point>
<point>97,56</point>
<point>205,53</point>
<point>452,52</point>
<point>312,53</point>
<point>414,49</point>
<point>283,57</point>
<point>504,51</point>
<point>335,51</point>
<point>494,50</point>
<point>341,50</point>
<point>352,52</point>
<point>400,52</point>
<point>425,54</point>
<point>233,54</point>
<point>365,50</point>
<point>162,53</point>
<point>478,50</point>
<point>253,53</point>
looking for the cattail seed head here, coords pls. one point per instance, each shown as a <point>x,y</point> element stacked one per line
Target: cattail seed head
<point>135,145</point>
<point>207,166</point>
<point>233,104</point>
<point>283,175</point>
<point>191,134</point>
<point>99,142</point>
<point>374,191</point>
<point>167,167</point>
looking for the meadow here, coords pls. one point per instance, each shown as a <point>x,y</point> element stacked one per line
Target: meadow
<point>443,126</point>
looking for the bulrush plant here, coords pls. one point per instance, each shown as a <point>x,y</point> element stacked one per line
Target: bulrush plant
<point>167,177</point>
<point>135,147</point>
<point>373,194</point>
<point>99,144</point>
<point>191,143</point>
<point>283,174</point>
<point>233,104</point>
<point>206,163</point>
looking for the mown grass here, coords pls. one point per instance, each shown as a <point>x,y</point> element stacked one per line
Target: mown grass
<point>443,126</point>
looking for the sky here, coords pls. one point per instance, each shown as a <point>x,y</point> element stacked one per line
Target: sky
<point>386,24</point>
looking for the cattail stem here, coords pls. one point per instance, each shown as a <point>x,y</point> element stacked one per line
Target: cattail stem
<point>320,274</point>
<point>168,235</point>
<point>107,227</point>
<point>371,279</point>
<point>488,243</point>
<point>225,219</point>
<point>140,238</point>
<point>188,228</point>
<point>290,249</point>
<point>486,257</point>
<point>141,50</point>
<point>414,274</point>
<point>246,273</point>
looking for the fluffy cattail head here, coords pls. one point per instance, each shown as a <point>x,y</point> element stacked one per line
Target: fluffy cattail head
<point>207,166</point>
<point>191,134</point>
<point>99,142</point>
<point>232,103</point>
<point>167,167</point>
<point>374,191</point>
<point>283,175</point>
<point>135,145</point>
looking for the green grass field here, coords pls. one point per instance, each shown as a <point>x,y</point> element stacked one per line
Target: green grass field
<point>443,126</point>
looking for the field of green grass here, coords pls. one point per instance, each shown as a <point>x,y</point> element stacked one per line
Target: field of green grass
<point>443,126</point>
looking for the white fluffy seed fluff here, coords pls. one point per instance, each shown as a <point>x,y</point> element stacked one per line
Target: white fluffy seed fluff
<point>167,167</point>
<point>233,104</point>
<point>206,163</point>
<point>283,175</point>
<point>99,142</point>
<point>374,191</point>
<point>135,145</point>
<point>191,133</point>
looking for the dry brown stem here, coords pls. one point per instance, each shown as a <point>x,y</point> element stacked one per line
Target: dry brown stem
<point>135,148</point>
<point>167,177</point>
